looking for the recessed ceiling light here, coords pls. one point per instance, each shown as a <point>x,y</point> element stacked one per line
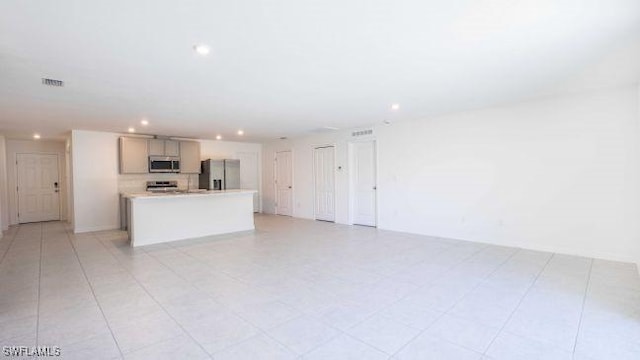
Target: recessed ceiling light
<point>218,137</point>
<point>144,122</point>
<point>240,132</point>
<point>202,49</point>
<point>36,136</point>
<point>395,106</point>
<point>132,130</point>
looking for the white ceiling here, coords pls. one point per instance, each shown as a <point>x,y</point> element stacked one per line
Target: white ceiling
<point>287,67</point>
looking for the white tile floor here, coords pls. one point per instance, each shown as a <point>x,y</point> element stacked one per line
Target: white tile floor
<point>312,290</point>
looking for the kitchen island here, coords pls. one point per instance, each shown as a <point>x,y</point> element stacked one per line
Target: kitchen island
<point>162,217</point>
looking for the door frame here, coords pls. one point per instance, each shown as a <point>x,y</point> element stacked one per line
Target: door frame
<point>352,178</point>
<point>275,178</point>
<point>313,154</point>
<point>17,180</point>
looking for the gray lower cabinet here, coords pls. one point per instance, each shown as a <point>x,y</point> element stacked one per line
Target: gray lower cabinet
<point>189,157</point>
<point>134,155</point>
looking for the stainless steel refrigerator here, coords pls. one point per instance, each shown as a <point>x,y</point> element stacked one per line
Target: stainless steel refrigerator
<point>220,174</point>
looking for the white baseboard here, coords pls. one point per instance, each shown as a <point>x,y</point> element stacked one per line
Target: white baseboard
<point>86,229</point>
<point>626,258</point>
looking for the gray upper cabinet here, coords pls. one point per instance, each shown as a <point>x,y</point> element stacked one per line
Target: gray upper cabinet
<point>156,147</point>
<point>189,157</point>
<point>161,147</point>
<point>171,148</point>
<point>134,155</point>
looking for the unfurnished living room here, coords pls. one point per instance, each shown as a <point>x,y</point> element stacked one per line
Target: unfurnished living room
<point>283,179</point>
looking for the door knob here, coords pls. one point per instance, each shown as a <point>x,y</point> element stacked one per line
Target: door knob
<point>375,188</point>
<point>289,187</point>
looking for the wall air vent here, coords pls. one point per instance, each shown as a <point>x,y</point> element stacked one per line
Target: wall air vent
<point>52,82</point>
<point>362,132</point>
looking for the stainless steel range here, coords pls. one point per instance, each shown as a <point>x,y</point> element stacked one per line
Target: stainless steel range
<point>162,186</point>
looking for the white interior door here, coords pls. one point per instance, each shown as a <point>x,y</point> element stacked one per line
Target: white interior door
<point>249,175</point>
<point>364,183</point>
<point>38,187</point>
<point>324,179</point>
<point>284,183</point>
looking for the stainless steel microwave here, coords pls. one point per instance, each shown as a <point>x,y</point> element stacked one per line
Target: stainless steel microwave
<point>164,164</point>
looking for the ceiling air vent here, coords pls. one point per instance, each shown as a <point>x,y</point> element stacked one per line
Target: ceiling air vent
<point>52,82</point>
<point>325,129</point>
<point>362,132</point>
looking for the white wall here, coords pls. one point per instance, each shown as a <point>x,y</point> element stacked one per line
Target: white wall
<point>95,180</point>
<point>559,174</point>
<point>214,149</point>
<point>33,146</point>
<point>4,203</point>
<point>97,183</point>
<point>302,152</point>
<point>69,176</point>
<point>638,155</point>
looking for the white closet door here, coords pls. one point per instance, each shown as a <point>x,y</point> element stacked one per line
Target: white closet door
<point>284,183</point>
<point>324,171</point>
<point>364,182</point>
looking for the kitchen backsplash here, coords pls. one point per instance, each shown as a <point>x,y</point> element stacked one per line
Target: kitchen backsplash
<point>138,182</point>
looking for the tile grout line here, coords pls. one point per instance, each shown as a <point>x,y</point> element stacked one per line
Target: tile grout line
<point>443,313</point>
<point>302,313</point>
<point>519,303</point>
<point>264,332</point>
<point>84,273</point>
<point>584,301</point>
<point>153,298</point>
<point>448,311</point>
<point>343,332</point>
<point>13,238</point>
<point>205,264</point>
<point>484,279</point>
<point>449,269</point>
<point>39,286</point>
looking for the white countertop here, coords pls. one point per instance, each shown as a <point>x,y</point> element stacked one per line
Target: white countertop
<point>190,194</point>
